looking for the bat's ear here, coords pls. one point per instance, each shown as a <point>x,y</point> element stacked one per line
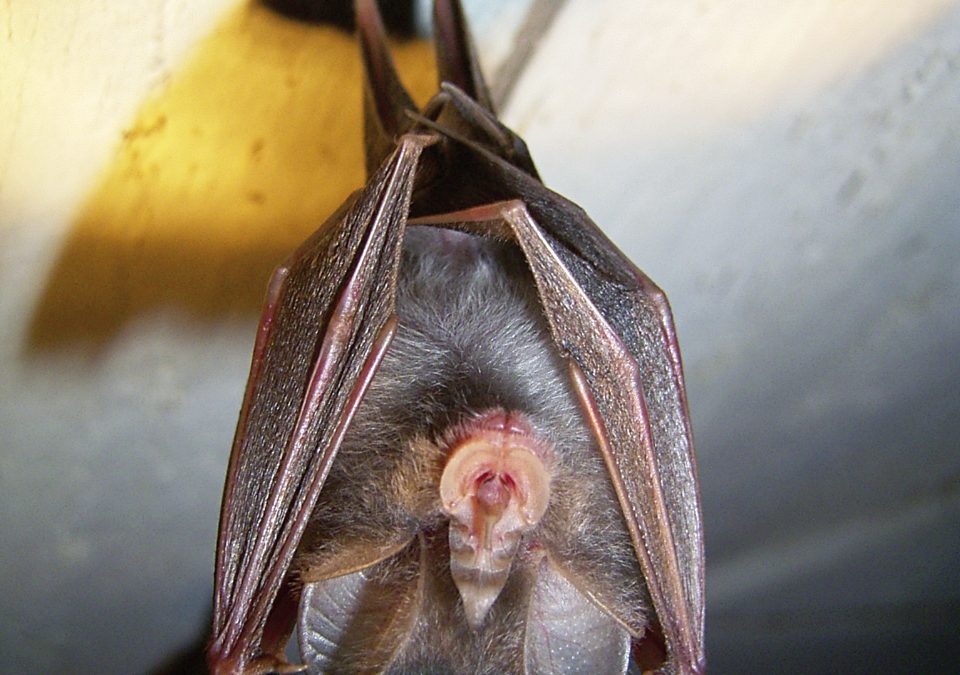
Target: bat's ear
<point>385,101</point>
<point>456,57</point>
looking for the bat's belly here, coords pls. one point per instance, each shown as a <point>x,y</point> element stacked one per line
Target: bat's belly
<point>382,591</point>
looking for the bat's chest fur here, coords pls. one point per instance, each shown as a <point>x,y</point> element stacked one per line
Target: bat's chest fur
<point>375,559</point>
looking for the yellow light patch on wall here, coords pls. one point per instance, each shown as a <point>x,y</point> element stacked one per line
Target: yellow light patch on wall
<point>245,151</point>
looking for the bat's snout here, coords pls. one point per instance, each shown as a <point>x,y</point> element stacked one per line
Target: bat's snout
<point>495,487</point>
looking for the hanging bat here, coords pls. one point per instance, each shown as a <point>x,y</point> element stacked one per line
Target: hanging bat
<point>464,444</point>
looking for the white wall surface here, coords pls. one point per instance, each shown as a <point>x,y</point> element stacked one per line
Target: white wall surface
<point>787,171</point>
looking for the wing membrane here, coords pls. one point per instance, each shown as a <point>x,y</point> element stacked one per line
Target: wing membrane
<point>327,321</point>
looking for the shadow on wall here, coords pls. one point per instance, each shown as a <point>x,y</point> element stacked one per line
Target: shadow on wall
<point>242,154</point>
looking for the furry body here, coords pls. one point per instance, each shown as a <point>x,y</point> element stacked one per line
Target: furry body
<point>471,338</point>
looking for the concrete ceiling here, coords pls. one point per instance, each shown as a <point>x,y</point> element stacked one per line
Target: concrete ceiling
<point>788,172</point>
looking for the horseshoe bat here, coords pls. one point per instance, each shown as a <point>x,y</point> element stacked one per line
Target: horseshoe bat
<point>464,444</point>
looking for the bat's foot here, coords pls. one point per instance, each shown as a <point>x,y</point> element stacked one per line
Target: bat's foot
<point>271,664</point>
<point>495,487</point>
<point>265,664</point>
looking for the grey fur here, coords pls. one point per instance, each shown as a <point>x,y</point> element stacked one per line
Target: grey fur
<point>471,337</point>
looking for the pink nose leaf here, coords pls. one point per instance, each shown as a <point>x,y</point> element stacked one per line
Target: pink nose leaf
<point>495,487</point>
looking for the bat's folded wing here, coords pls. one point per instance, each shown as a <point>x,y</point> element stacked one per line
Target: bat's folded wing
<point>616,328</point>
<point>328,319</point>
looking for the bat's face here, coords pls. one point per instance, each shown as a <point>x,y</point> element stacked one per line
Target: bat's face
<point>469,505</point>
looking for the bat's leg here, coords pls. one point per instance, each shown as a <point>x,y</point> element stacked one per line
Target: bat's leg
<point>457,61</point>
<point>385,100</point>
<point>280,622</point>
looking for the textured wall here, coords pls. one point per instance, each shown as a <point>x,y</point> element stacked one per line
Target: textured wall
<point>787,171</point>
